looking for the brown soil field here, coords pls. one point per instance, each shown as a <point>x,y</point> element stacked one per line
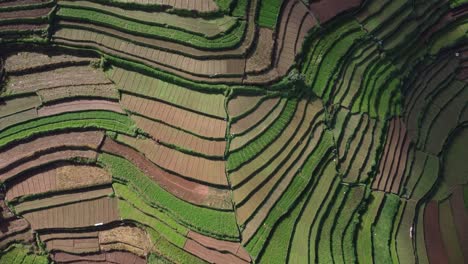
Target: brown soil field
<point>19,27</point>
<point>74,245</point>
<point>263,125</point>
<point>325,10</point>
<point>48,158</point>
<point>219,245</point>
<point>184,189</point>
<point>76,75</point>
<point>26,61</point>
<point>18,104</point>
<point>200,6</point>
<point>186,120</point>
<point>25,13</point>
<point>261,58</point>
<point>294,23</point>
<point>62,199</point>
<point>287,176</point>
<point>460,218</point>
<point>393,133</point>
<point>254,117</point>
<point>100,90</point>
<point>173,136</point>
<point>21,2</point>
<point>25,151</point>
<point>116,257</point>
<point>12,228</point>
<point>56,178</point>
<point>240,104</point>
<point>192,167</point>
<point>177,63</point>
<point>18,118</point>
<point>79,105</point>
<point>77,215</point>
<point>133,239</point>
<point>434,243</point>
<point>209,255</point>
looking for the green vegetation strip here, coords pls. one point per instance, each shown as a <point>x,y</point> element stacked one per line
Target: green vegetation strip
<point>21,255</point>
<point>269,12</point>
<point>76,120</point>
<point>229,40</point>
<point>253,148</point>
<point>219,224</point>
<point>381,236</point>
<point>292,193</point>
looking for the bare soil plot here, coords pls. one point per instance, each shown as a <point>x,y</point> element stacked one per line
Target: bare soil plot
<point>184,189</point>
<point>24,151</point>
<point>261,59</point>
<point>99,90</point>
<point>39,12</point>
<point>174,116</point>
<point>234,248</point>
<point>254,117</point>
<point>207,27</point>
<point>79,105</point>
<point>185,66</point>
<point>128,238</point>
<point>192,167</point>
<point>21,2</point>
<point>434,243</point>
<point>23,62</point>
<point>12,228</point>
<point>174,136</point>
<point>242,103</point>
<point>199,5</point>
<point>259,128</point>
<point>15,28</point>
<point>460,218</point>
<point>181,96</point>
<point>325,10</point>
<point>115,257</point>
<point>57,177</point>
<point>18,104</point>
<point>74,245</point>
<point>68,76</point>
<point>47,158</point>
<point>76,215</point>
<point>62,199</point>
<point>209,255</point>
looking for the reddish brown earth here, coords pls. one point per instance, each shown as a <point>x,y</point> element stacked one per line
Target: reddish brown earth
<point>219,245</point>
<point>240,104</point>
<point>393,164</point>
<point>200,169</point>
<point>173,136</point>
<point>209,255</point>
<point>186,120</point>
<point>261,58</point>
<point>118,257</point>
<point>12,228</point>
<point>22,27</point>
<point>82,214</point>
<point>434,244</point>
<point>253,118</point>
<point>325,10</point>
<point>25,151</point>
<point>80,105</point>
<point>21,2</point>
<point>47,158</point>
<point>187,190</point>
<point>25,13</point>
<point>460,218</point>
<point>23,62</point>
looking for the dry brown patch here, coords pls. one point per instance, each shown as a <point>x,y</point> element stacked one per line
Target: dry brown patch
<point>73,176</point>
<point>132,239</point>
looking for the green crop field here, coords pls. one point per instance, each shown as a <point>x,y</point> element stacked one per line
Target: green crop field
<point>233,131</point>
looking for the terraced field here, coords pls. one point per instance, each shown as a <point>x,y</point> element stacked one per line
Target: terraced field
<point>233,131</point>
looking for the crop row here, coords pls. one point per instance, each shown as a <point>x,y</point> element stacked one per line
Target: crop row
<point>75,120</point>
<point>208,221</point>
<point>253,148</point>
<point>229,40</point>
<point>21,255</point>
